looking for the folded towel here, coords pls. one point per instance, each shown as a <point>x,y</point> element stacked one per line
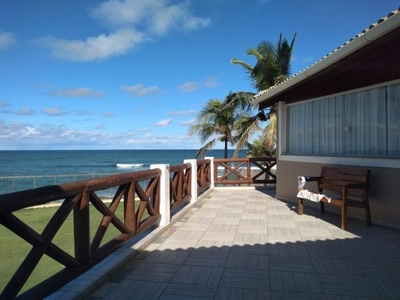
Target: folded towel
<point>305,194</point>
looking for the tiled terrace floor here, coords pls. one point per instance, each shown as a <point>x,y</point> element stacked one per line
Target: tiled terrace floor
<point>245,244</point>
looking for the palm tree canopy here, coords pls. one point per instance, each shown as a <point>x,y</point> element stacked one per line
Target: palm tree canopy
<point>216,120</point>
<point>256,149</point>
<point>273,63</point>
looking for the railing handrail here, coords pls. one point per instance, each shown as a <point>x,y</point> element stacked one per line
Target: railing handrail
<point>58,175</point>
<point>175,168</point>
<point>46,194</point>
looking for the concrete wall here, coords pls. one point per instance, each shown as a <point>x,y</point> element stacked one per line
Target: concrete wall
<point>384,193</point>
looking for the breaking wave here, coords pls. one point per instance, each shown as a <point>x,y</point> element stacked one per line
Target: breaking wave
<point>128,166</point>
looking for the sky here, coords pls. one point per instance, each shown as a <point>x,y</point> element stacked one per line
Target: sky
<point>134,74</point>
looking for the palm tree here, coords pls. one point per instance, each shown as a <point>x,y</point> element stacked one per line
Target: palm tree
<point>273,63</point>
<point>222,120</point>
<point>216,120</point>
<point>272,67</point>
<point>256,149</point>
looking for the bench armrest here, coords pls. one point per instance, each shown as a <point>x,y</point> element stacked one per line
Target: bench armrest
<point>313,178</point>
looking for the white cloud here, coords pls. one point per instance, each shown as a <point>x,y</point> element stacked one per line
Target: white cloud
<point>93,48</point>
<point>162,123</point>
<point>189,87</point>
<point>108,114</point>
<point>6,111</point>
<point>134,22</point>
<point>211,82</point>
<point>84,113</point>
<point>188,123</point>
<point>54,111</point>
<point>78,92</point>
<point>101,127</point>
<point>155,16</point>
<point>139,90</point>
<point>4,103</point>
<point>13,130</point>
<point>14,135</point>
<point>6,39</point>
<point>25,112</point>
<point>29,132</point>
<point>182,112</point>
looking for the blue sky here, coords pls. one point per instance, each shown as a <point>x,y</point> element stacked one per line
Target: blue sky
<point>133,74</point>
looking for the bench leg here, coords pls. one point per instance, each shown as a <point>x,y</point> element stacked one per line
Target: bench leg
<point>322,206</point>
<point>367,210</point>
<point>300,209</point>
<point>344,217</point>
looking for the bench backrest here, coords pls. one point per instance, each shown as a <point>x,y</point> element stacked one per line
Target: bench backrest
<point>333,178</point>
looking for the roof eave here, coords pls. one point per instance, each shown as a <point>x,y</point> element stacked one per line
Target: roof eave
<point>348,48</point>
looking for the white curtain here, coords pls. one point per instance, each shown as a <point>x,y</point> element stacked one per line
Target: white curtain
<point>365,123</point>
<point>366,115</point>
<point>317,127</point>
<point>300,128</point>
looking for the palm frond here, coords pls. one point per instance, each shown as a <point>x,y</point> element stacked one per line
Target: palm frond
<point>246,127</point>
<point>245,65</point>
<point>203,150</point>
<point>269,133</point>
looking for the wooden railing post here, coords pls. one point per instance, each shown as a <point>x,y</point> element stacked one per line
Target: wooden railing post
<point>165,200</point>
<point>193,183</point>
<point>82,229</point>
<point>212,166</point>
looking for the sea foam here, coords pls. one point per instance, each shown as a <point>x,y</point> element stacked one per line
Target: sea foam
<point>128,166</point>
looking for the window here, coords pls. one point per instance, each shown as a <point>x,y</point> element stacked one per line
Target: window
<point>363,123</point>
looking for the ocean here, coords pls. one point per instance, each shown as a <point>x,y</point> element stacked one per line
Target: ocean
<point>21,170</point>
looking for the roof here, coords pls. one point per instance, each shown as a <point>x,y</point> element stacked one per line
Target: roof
<point>375,31</point>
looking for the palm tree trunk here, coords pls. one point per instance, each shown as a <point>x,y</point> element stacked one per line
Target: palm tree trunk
<point>226,149</point>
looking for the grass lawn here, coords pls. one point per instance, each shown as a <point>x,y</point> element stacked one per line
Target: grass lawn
<point>13,249</point>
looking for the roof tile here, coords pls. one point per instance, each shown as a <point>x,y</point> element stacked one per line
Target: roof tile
<point>392,13</point>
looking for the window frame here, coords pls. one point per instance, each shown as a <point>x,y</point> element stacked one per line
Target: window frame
<point>356,160</point>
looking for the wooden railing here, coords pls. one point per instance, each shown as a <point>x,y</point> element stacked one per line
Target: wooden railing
<point>239,171</point>
<point>180,185</point>
<point>75,197</point>
<point>143,186</point>
<point>203,175</point>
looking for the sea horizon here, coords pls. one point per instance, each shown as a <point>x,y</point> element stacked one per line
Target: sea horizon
<point>25,169</point>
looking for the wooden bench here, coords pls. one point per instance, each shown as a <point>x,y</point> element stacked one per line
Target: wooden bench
<point>344,183</point>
